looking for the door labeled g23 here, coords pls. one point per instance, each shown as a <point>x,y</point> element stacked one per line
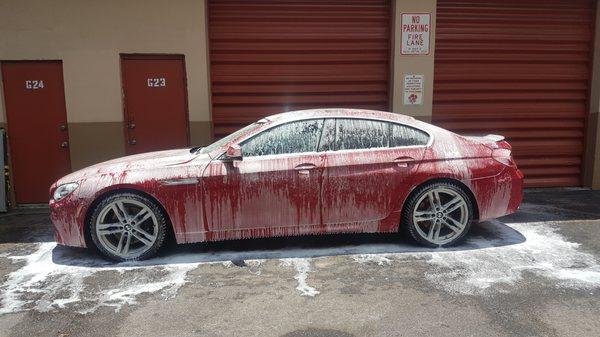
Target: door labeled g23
<point>154,91</point>
<point>37,127</point>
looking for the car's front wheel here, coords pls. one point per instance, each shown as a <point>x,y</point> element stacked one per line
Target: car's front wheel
<point>127,226</point>
<point>439,214</point>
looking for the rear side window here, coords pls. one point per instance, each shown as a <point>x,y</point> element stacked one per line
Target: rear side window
<point>293,137</point>
<point>402,135</point>
<point>352,134</point>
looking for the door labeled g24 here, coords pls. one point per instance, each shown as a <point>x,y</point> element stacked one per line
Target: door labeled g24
<point>368,170</point>
<point>275,187</point>
<point>154,89</point>
<point>37,127</point>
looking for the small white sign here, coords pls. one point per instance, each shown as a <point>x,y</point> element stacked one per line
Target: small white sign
<point>34,84</point>
<point>415,33</point>
<point>413,89</point>
<point>157,82</point>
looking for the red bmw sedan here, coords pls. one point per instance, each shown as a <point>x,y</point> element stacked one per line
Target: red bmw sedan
<point>303,172</point>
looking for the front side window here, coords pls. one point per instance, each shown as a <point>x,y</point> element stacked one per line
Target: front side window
<point>403,135</point>
<point>293,137</point>
<point>353,134</point>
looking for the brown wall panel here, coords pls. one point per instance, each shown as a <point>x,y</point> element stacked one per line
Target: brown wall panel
<point>92,143</point>
<point>200,133</point>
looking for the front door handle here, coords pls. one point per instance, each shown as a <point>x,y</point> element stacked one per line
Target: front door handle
<point>304,169</point>
<point>403,161</point>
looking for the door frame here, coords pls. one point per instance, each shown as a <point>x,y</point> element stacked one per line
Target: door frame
<point>11,195</point>
<point>151,56</point>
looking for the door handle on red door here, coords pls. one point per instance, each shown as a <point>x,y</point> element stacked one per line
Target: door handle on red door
<point>304,168</point>
<point>403,161</point>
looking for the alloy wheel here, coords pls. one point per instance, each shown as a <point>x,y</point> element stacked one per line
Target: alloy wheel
<point>440,215</point>
<point>126,228</point>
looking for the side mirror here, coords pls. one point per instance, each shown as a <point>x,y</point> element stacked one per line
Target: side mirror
<point>234,152</point>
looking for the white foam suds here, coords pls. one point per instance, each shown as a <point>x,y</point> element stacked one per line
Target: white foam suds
<point>380,259</point>
<point>42,285</point>
<point>544,253</point>
<point>485,265</point>
<point>302,267</point>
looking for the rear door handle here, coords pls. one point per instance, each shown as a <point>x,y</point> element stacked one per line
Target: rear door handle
<point>403,161</point>
<point>304,169</point>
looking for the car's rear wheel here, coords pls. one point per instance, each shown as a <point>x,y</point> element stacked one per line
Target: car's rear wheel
<point>439,214</point>
<point>127,226</point>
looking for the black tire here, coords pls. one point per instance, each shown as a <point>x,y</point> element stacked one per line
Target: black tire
<point>408,225</point>
<point>161,226</point>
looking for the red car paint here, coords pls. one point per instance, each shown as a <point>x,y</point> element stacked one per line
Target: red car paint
<point>349,191</point>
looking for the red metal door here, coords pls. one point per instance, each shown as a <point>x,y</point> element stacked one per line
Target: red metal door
<point>154,89</point>
<point>268,194</point>
<point>520,69</point>
<point>273,56</point>
<point>366,185</point>
<point>274,190</point>
<point>37,127</point>
<point>365,180</point>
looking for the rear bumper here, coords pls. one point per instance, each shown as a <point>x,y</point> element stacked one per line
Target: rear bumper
<point>499,195</point>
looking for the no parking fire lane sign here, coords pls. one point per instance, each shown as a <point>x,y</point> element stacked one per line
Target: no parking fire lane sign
<point>416,29</point>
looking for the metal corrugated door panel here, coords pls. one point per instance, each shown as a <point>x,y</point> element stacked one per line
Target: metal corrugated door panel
<point>521,69</point>
<point>272,56</point>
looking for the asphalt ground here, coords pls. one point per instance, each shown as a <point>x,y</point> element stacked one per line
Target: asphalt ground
<point>534,273</point>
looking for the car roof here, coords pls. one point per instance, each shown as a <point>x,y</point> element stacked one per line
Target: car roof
<point>338,112</point>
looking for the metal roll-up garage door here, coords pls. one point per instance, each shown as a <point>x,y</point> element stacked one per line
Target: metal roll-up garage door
<point>520,68</point>
<point>271,56</point>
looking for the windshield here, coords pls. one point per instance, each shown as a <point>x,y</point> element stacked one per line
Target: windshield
<point>219,143</point>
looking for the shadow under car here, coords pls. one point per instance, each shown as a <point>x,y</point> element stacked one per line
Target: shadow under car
<point>483,235</point>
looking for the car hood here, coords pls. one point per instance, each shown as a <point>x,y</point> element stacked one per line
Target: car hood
<point>144,161</point>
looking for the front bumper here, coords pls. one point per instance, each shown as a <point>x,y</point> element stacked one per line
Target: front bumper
<point>67,217</point>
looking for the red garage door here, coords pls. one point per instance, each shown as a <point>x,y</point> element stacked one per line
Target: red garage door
<point>272,56</point>
<point>520,68</point>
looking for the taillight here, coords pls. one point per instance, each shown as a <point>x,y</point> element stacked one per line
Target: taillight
<point>503,156</point>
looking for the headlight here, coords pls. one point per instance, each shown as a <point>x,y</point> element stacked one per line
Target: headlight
<point>64,190</point>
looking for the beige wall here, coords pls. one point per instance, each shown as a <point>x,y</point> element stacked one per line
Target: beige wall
<point>413,64</point>
<point>88,37</point>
